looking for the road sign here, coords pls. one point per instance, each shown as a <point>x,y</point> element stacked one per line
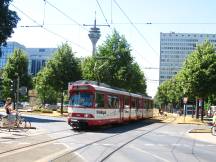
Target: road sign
<point>23,90</point>
<point>185,100</point>
<point>200,102</point>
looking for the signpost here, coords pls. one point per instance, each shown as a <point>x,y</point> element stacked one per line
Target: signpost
<point>185,100</point>
<point>23,90</point>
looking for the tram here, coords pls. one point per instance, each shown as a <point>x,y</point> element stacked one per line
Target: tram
<point>96,104</point>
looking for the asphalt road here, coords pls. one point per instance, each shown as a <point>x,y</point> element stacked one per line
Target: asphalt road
<point>135,142</point>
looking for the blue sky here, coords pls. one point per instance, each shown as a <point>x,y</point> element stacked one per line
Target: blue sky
<point>180,16</point>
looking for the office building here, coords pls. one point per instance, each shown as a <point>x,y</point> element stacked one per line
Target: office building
<point>175,47</point>
<point>7,51</point>
<point>37,57</point>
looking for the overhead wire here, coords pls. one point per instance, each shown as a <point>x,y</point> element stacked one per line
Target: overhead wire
<point>167,23</point>
<point>70,18</point>
<point>138,31</point>
<point>103,13</point>
<point>48,30</point>
<point>44,11</point>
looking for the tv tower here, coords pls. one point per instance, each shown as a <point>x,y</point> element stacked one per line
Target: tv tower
<point>94,35</point>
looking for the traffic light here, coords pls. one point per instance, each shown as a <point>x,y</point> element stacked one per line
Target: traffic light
<point>11,85</point>
<point>1,83</point>
<point>12,88</point>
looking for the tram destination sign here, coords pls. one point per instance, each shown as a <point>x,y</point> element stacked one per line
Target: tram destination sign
<point>81,87</point>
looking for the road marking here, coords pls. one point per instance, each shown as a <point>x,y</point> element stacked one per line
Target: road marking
<point>24,143</point>
<point>157,157</point>
<point>149,144</point>
<point>61,143</point>
<point>7,142</point>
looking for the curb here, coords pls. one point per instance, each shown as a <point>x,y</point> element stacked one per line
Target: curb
<point>200,131</point>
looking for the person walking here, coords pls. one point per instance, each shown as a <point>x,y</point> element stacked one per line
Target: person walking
<point>8,106</point>
<point>214,118</point>
<point>9,111</point>
<point>214,124</point>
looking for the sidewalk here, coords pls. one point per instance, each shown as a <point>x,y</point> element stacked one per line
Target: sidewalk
<point>201,133</point>
<point>29,111</point>
<point>205,137</point>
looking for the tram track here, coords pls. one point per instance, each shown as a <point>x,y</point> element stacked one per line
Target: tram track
<point>29,146</point>
<point>38,143</point>
<point>26,136</point>
<point>49,141</point>
<point>66,156</point>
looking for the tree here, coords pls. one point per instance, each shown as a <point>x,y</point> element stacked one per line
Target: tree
<point>197,77</point>
<point>60,70</point>
<point>114,65</point>
<point>15,68</point>
<point>9,20</point>
<point>46,93</point>
<point>199,71</point>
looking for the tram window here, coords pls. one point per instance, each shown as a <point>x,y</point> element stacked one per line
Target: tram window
<point>99,100</point>
<point>126,102</point>
<point>137,104</point>
<point>113,101</point>
<point>145,104</point>
<point>140,103</point>
<point>82,99</point>
<point>133,103</point>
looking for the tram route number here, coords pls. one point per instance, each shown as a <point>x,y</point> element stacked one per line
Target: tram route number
<point>101,112</point>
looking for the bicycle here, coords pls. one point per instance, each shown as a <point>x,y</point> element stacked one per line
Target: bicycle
<point>14,121</point>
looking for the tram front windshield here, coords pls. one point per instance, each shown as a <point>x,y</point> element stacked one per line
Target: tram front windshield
<point>81,99</point>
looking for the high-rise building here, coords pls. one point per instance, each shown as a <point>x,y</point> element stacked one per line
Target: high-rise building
<point>37,57</point>
<point>175,47</point>
<point>7,51</point>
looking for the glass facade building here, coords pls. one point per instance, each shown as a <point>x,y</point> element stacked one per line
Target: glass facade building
<point>37,57</point>
<point>7,51</point>
<point>175,47</point>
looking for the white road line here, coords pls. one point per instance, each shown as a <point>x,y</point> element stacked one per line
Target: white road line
<point>157,157</point>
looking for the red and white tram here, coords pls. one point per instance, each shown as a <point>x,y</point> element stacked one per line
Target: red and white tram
<point>92,104</point>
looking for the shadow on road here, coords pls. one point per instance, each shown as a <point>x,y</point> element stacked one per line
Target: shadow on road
<point>40,120</point>
<point>123,127</point>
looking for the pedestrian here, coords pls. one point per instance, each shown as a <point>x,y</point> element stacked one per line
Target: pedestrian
<point>8,106</point>
<point>214,118</point>
<point>9,109</point>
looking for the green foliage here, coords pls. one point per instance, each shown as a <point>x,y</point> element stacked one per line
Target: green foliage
<point>114,65</point>
<point>197,77</point>
<point>46,111</point>
<point>199,71</point>
<point>9,20</point>
<point>46,93</point>
<point>63,68</point>
<point>16,66</point>
<point>53,79</point>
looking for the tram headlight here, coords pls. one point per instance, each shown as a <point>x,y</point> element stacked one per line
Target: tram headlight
<point>88,116</point>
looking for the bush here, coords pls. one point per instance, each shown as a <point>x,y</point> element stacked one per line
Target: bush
<point>64,110</point>
<point>37,109</point>
<point>46,111</point>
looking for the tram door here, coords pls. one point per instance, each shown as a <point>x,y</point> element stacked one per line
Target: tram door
<point>126,109</point>
<point>121,110</point>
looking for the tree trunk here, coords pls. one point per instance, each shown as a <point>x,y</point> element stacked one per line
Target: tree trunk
<point>62,101</point>
<point>197,108</point>
<point>202,109</point>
